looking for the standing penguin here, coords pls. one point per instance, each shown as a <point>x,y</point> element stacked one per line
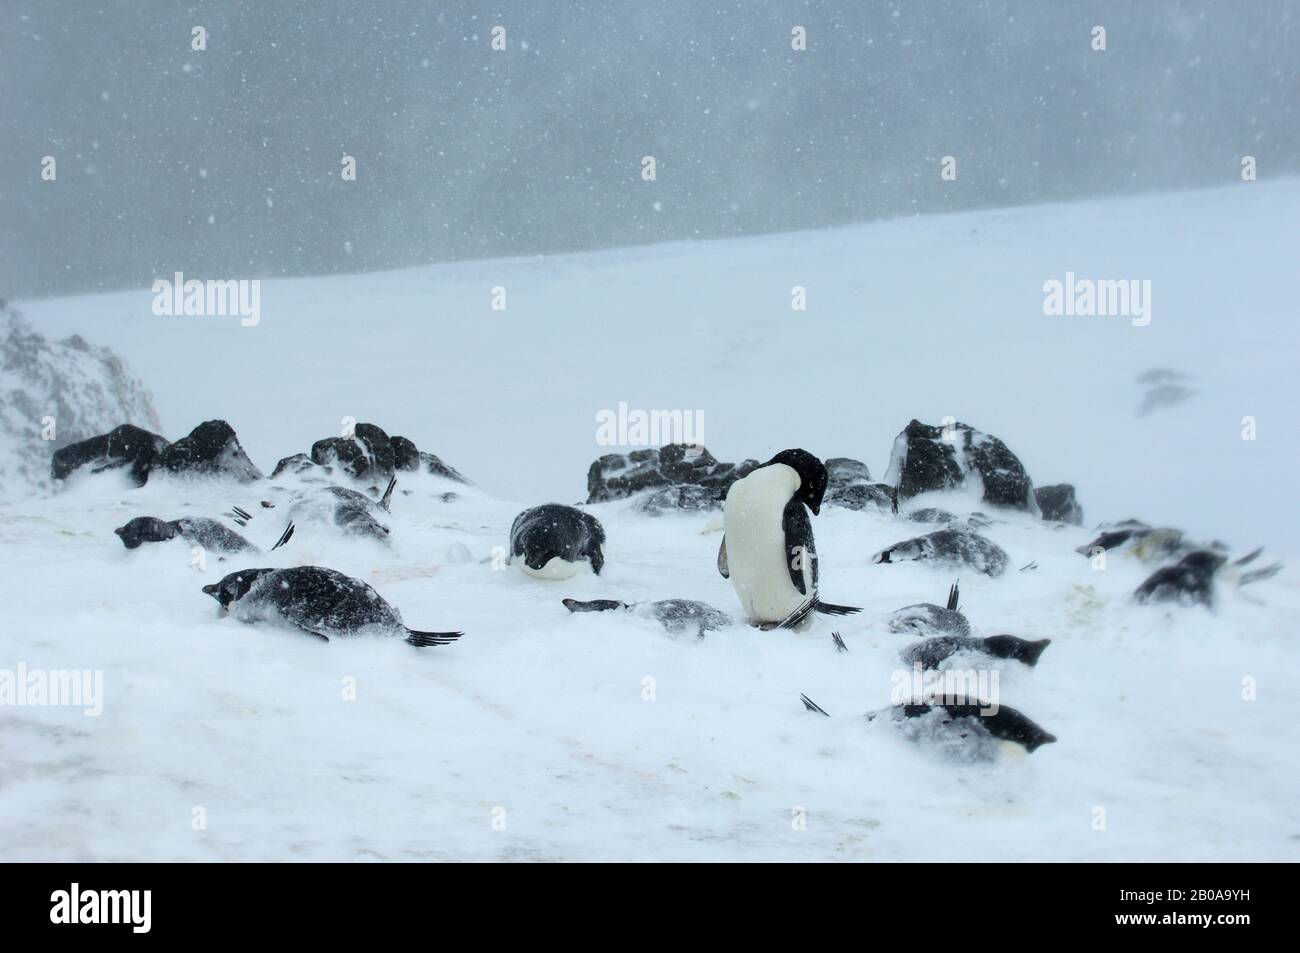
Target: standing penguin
<point>767,547</point>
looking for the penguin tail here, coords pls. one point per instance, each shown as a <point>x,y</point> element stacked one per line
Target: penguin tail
<point>830,608</point>
<point>953,595</point>
<point>386,500</point>
<point>1249,557</point>
<point>284,537</point>
<point>426,639</point>
<point>811,705</point>
<point>1255,575</point>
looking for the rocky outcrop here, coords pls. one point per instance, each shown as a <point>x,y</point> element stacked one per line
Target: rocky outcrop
<point>125,446</point>
<point>366,455</point>
<point>57,393</point>
<point>369,454</point>
<point>927,458</point>
<point>1057,502</point>
<point>849,486</point>
<point>685,496</point>
<point>617,476</point>
<point>210,449</point>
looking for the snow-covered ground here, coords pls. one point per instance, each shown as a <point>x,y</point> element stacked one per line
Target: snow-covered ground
<point>532,737</point>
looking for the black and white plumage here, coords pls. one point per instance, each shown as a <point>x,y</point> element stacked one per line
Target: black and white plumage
<point>345,509</point>
<point>966,730</point>
<point>549,541</point>
<point>198,530</point>
<point>318,601</point>
<point>675,615</point>
<point>929,653</point>
<point>928,619</point>
<point>768,551</point>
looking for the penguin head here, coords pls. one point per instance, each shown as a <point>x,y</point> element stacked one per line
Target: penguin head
<point>812,476</point>
<point>1022,650</point>
<point>235,586</point>
<point>144,529</point>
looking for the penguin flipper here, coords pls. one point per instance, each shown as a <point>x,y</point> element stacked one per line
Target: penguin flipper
<point>722,559</point>
<point>426,639</point>
<point>799,546</point>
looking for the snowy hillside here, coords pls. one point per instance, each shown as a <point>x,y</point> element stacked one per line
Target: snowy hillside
<point>910,318</point>
<point>533,737</point>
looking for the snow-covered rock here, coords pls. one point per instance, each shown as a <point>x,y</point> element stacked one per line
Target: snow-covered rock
<point>618,475</point>
<point>927,458</point>
<point>367,454</point>
<point>210,449</point>
<point>69,390</point>
<point>125,446</point>
<point>1057,502</point>
<point>370,454</point>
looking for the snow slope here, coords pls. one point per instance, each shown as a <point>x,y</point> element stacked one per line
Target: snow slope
<point>537,719</point>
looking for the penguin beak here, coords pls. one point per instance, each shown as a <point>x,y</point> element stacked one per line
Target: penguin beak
<point>212,590</point>
<point>817,510</point>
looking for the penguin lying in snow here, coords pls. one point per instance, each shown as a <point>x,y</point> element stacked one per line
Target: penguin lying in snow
<point>928,653</point>
<point>675,615</point>
<point>550,540</point>
<point>199,530</point>
<point>318,601</point>
<point>969,730</point>
<point>926,618</point>
<point>1190,581</point>
<point>352,512</point>
<point>767,548</point>
<point>950,634</point>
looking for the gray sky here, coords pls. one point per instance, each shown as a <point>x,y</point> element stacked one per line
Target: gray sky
<point>226,162</point>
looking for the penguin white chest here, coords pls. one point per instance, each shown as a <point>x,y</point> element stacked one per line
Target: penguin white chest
<point>757,560</point>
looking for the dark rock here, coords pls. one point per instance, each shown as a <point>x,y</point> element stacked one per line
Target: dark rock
<point>1058,503</point>
<point>950,548</point>
<point>406,456</point>
<point>124,446</point>
<point>210,449</point>
<point>930,514</point>
<point>617,476</point>
<point>297,464</point>
<point>927,458</point>
<point>436,467</point>
<point>844,471</point>
<point>859,496</point>
<point>368,453</point>
<point>685,496</point>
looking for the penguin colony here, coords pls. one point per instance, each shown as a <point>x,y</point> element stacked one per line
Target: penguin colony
<point>768,553</point>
